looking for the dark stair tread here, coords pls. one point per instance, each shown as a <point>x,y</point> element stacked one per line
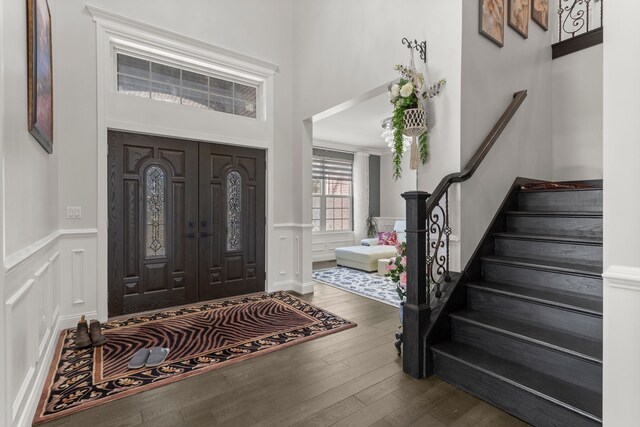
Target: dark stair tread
<point>580,214</point>
<point>551,238</point>
<point>565,342</point>
<point>567,300</point>
<point>559,190</point>
<point>563,267</point>
<point>565,394</point>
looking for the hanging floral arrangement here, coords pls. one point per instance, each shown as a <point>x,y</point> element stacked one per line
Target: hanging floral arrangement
<point>409,118</point>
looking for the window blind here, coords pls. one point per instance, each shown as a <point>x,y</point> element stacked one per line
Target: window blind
<point>331,169</point>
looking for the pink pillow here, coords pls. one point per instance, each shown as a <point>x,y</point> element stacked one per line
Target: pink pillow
<point>389,238</point>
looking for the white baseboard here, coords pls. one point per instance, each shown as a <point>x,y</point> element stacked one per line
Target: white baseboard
<point>291,285</point>
<point>71,321</point>
<point>623,277</point>
<point>303,288</point>
<point>324,258</point>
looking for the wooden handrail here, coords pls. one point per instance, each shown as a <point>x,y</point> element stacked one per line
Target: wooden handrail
<point>481,152</point>
<point>420,258</point>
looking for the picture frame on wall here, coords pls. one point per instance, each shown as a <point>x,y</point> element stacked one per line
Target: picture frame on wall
<point>540,13</point>
<point>40,77</point>
<point>518,15</point>
<point>491,20</point>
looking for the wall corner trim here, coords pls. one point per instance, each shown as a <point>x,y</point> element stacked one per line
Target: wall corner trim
<point>623,277</point>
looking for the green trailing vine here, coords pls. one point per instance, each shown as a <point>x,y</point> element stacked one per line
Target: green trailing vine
<point>404,96</point>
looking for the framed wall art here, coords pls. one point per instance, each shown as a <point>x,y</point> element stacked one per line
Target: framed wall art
<point>519,16</point>
<point>540,13</point>
<point>40,78</point>
<point>491,23</point>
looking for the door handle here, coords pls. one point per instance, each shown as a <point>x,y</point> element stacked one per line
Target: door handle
<point>204,234</point>
<point>190,235</point>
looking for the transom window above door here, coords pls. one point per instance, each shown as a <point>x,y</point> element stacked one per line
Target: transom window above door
<point>332,191</point>
<point>162,82</point>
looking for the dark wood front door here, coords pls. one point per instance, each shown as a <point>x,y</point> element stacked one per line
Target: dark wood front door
<point>186,222</point>
<point>232,221</point>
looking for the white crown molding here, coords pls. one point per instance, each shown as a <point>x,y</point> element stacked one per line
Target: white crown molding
<point>340,146</point>
<point>133,31</point>
<point>13,261</point>
<point>622,277</point>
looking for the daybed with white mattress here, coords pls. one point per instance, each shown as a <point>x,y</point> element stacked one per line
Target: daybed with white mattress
<point>366,257</point>
<point>363,257</point>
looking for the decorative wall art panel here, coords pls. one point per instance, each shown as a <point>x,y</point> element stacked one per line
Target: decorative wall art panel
<point>492,20</point>
<point>40,78</point>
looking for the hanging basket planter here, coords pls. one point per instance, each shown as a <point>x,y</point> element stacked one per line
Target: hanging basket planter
<point>415,122</point>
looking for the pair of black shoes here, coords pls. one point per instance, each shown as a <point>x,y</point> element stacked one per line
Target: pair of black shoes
<point>89,335</point>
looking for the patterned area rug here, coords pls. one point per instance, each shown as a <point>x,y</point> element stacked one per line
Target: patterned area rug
<point>368,285</point>
<point>201,337</point>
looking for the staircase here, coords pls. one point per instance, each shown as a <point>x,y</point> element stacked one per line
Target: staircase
<point>530,338</point>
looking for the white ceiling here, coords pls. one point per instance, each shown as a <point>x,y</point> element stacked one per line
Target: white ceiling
<point>359,126</point>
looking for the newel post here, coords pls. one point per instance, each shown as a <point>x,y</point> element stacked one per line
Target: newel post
<point>416,308</point>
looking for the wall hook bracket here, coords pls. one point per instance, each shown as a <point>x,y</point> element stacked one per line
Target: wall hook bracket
<point>420,47</point>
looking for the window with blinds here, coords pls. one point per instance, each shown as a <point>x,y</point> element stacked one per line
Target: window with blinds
<point>149,79</point>
<point>332,208</point>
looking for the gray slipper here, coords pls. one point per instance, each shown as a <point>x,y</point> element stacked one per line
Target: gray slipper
<point>139,359</point>
<point>157,355</point>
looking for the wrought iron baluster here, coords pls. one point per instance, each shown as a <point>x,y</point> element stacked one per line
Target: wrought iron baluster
<point>429,261</point>
<point>447,232</point>
<point>560,11</point>
<point>574,17</point>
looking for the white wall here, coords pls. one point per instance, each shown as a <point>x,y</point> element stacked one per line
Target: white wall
<point>621,211</point>
<point>391,202</point>
<point>576,105</point>
<point>31,194</point>
<point>490,76</point>
<point>360,42</point>
<point>30,277</point>
<point>3,341</point>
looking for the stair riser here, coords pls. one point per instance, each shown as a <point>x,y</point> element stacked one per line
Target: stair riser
<point>564,201</point>
<point>559,226</point>
<point>552,362</point>
<point>567,320</point>
<point>519,402</point>
<point>587,285</point>
<point>554,251</point>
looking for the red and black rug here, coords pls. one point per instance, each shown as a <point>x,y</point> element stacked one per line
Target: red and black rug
<point>201,338</point>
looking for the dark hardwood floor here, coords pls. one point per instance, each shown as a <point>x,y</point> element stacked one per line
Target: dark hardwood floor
<point>351,378</point>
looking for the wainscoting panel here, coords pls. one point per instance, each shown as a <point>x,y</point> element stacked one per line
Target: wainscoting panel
<point>31,325</point>
<point>78,264</point>
<point>77,276</point>
<point>21,345</point>
<point>288,272</point>
<point>47,287</point>
<point>323,245</point>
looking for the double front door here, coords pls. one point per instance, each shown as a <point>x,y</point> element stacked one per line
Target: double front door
<point>186,222</point>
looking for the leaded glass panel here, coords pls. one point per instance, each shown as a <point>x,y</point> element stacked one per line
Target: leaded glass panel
<point>234,211</point>
<point>155,211</point>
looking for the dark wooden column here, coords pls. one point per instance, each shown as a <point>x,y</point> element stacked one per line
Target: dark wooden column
<point>416,308</point>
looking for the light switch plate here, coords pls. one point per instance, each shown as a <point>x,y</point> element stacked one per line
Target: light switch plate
<point>74,212</point>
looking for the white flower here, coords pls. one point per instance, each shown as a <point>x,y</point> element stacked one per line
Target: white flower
<point>406,90</point>
<point>395,90</point>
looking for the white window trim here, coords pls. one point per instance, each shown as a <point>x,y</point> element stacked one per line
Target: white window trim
<point>136,38</point>
<point>323,209</point>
